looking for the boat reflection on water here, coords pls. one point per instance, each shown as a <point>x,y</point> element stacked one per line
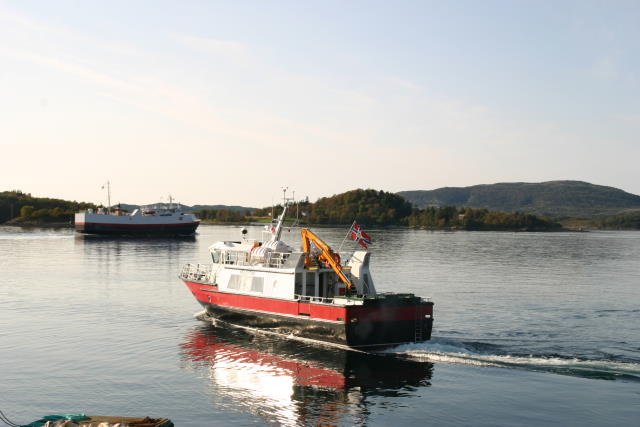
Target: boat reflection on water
<point>294,383</point>
<point>137,260</point>
<point>137,245</point>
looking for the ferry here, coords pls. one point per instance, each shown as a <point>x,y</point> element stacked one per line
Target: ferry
<point>308,294</point>
<point>153,220</point>
<point>158,220</point>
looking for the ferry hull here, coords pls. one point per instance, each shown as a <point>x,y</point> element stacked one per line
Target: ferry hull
<point>377,323</point>
<point>182,229</point>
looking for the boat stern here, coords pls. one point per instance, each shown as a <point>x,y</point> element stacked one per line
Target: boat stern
<point>388,320</point>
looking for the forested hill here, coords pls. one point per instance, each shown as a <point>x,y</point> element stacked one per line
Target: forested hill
<point>379,208</point>
<point>23,208</point>
<point>556,199</point>
<point>16,204</point>
<point>366,206</point>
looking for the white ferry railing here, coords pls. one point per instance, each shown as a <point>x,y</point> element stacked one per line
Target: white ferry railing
<point>196,272</point>
<point>271,260</point>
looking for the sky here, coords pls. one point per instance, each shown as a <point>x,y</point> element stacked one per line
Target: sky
<point>227,102</point>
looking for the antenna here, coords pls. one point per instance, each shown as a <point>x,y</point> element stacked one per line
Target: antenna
<point>108,184</point>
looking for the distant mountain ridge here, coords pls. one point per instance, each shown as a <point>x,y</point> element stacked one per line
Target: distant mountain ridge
<point>556,199</point>
<point>186,208</point>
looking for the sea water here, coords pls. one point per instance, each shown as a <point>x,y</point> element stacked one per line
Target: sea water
<point>530,329</point>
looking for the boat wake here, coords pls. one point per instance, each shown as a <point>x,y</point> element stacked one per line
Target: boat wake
<point>448,351</point>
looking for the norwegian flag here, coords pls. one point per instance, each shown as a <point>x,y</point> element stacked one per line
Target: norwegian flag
<point>358,234</point>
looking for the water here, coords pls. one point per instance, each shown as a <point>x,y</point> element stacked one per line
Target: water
<point>530,329</point>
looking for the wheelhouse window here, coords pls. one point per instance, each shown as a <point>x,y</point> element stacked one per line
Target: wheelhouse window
<point>215,256</point>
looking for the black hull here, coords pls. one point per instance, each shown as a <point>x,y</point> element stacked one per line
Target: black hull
<point>358,335</point>
<point>168,230</point>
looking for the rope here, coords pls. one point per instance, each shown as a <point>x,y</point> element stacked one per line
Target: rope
<point>7,421</point>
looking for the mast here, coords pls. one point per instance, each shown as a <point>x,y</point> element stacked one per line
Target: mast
<point>285,204</point>
<point>108,197</point>
<point>278,231</point>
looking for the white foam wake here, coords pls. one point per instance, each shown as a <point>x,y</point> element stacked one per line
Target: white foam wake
<point>446,352</point>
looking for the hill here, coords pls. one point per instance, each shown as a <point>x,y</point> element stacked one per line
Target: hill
<point>130,207</point>
<point>27,209</point>
<point>379,208</point>
<point>219,207</point>
<point>556,199</point>
<point>368,207</point>
<point>22,208</point>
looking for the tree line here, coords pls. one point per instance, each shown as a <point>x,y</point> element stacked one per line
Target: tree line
<point>451,217</point>
<point>372,208</point>
<point>225,215</point>
<point>379,209</point>
<point>22,207</point>
<point>622,221</point>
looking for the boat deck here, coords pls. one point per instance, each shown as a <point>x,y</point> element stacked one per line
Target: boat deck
<point>83,420</point>
<point>130,421</point>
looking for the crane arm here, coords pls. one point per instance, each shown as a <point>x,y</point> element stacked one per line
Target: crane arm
<point>327,255</point>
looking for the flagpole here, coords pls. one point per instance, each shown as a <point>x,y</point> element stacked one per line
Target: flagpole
<point>345,237</point>
<point>108,197</point>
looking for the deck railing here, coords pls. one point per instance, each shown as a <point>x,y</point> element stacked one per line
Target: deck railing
<point>196,272</point>
<point>271,260</point>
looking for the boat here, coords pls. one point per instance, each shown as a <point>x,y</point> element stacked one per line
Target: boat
<point>153,220</point>
<point>82,420</point>
<point>159,220</point>
<point>308,294</point>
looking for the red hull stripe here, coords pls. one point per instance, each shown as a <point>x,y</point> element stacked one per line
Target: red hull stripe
<point>209,294</point>
<point>304,373</point>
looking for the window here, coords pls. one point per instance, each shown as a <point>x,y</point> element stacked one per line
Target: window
<point>298,284</point>
<point>257,284</point>
<point>310,284</point>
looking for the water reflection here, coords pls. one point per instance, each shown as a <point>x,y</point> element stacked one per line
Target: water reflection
<point>140,241</point>
<point>138,259</point>
<point>134,246</point>
<point>294,383</point>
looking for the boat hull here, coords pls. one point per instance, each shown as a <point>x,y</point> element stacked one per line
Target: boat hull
<point>375,323</point>
<point>181,229</point>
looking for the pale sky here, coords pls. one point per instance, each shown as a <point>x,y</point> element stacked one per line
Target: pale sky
<point>225,102</point>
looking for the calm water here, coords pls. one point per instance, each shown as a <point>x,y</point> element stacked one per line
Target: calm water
<point>530,329</point>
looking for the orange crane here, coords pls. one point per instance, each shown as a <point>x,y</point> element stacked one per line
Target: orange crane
<point>327,255</point>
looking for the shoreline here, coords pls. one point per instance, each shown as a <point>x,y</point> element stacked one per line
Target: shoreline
<point>58,225</point>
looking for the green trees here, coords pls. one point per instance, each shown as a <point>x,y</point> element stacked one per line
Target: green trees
<point>627,221</point>
<point>449,217</point>
<point>26,211</point>
<point>378,209</point>
<point>222,215</point>
<point>24,208</point>
<point>371,207</point>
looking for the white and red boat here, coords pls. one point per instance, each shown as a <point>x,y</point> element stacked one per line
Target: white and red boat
<point>307,294</point>
<point>158,220</point>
